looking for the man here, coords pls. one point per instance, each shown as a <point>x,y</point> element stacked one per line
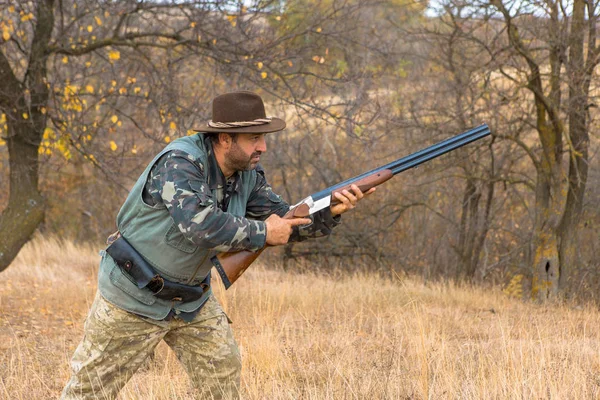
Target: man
<point>201,195</point>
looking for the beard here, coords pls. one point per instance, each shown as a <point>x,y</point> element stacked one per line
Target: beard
<point>239,161</point>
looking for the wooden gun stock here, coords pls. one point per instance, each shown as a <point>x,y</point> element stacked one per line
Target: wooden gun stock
<point>231,265</point>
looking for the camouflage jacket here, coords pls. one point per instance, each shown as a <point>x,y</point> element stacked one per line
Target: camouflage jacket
<point>183,186</point>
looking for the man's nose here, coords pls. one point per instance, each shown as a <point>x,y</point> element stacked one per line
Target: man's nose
<point>262,145</point>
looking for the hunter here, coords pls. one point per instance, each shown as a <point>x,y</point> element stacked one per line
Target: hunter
<point>201,195</point>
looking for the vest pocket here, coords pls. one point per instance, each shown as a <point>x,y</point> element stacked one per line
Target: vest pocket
<point>175,238</point>
<point>126,284</point>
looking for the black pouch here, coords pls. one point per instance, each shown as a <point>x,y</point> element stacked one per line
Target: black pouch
<point>134,265</point>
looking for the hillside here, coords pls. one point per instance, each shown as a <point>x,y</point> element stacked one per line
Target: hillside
<point>311,336</point>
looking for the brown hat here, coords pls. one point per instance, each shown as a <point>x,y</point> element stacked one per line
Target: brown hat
<point>240,112</point>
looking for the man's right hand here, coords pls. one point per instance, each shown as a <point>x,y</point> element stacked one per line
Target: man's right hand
<point>279,229</point>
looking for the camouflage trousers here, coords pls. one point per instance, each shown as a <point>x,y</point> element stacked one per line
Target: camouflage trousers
<point>116,343</point>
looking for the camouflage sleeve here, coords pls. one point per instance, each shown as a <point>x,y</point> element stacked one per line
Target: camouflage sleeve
<point>182,185</point>
<point>264,202</point>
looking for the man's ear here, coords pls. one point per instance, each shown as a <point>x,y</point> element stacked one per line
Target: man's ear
<point>225,140</point>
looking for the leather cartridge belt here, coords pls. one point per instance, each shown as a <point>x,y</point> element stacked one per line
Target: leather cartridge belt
<point>144,275</point>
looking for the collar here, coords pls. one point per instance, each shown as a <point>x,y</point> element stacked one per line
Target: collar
<point>215,177</point>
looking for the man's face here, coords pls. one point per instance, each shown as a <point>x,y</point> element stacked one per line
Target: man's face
<point>244,153</point>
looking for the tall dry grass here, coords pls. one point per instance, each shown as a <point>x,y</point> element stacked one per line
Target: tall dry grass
<point>309,336</point>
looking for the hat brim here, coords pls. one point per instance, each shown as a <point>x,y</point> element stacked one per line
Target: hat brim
<point>275,125</point>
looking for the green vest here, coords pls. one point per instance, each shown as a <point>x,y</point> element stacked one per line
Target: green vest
<point>153,233</point>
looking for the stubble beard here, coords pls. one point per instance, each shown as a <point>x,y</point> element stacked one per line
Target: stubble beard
<point>237,160</point>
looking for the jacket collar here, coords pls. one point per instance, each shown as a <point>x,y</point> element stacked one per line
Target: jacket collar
<point>214,175</point>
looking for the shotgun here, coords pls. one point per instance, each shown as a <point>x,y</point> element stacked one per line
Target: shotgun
<point>231,265</point>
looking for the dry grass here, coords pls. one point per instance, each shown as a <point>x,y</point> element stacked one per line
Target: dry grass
<point>313,337</point>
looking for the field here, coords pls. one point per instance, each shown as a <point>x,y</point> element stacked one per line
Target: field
<point>316,336</point>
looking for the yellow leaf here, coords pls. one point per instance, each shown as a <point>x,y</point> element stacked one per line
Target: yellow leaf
<point>136,90</point>
<point>318,29</point>
<point>43,110</point>
<point>119,123</point>
<point>113,82</point>
<point>134,149</point>
<point>192,25</point>
<point>65,60</point>
<point>49,134</point>
<point>11,9</point>
<point>88,64</point>
<point>89,88</point>
<point>278,18</point>
<point>25,116</point>
<point>114,55</point>
<point>167,139</point>
<point>113,145</point>
<point>259,65</point>
<point>98,21</point>
<point>114,119</point>
<point>190,132</point>
<point>5,34</point>
<point>26,17</point>
<point>173,125</point>
<point>263,75</point>
<point>122,90</point>
<point>291,64</point>
<point>90,28</point>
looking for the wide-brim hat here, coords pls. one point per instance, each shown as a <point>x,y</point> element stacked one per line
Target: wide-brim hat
<point>240,112</point>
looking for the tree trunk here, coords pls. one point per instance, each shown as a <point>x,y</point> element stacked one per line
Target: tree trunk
<point>25,104</point>
<point>25,210</point>
<point>579,77</point>
<point>468,229</point>
<point>546,239</point>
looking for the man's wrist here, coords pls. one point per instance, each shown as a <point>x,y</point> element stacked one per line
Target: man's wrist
<point>258,235</point>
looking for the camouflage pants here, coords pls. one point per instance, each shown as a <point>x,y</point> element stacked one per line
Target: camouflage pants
<point>117,342</point>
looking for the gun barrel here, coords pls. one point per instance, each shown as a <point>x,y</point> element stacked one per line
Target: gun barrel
<point>418,159</point>
<point>415,159</point>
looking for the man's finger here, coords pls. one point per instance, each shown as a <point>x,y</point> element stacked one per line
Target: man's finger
<point>357,192</point>
<point>299,221</point>
<point>351,197</point>
<point>342,198</point>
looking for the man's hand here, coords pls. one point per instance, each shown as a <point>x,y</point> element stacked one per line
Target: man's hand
<point>348,200</point>
<point>279,229</point>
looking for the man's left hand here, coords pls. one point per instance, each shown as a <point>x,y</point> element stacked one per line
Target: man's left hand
<point>348,199</point>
